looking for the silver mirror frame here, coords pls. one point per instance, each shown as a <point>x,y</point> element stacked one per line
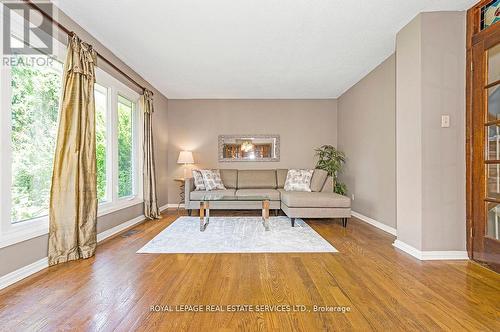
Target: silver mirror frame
<point>223,138</point>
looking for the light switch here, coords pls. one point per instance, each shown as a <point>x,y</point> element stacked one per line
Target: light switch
<point>445,121</point>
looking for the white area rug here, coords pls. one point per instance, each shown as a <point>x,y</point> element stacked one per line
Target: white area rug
<point>237,235</point>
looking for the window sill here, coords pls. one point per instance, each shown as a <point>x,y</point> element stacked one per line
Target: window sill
<point>31,229</point>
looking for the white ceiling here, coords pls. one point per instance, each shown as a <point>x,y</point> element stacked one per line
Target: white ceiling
<point>251,48</point>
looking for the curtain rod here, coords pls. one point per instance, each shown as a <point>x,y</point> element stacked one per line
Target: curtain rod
<point>68,32</point>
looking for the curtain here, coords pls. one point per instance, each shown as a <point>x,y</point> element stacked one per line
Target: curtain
<point>73,194</point>
<point>151,210</point>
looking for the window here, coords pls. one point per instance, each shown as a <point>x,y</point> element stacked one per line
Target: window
<point>30,97</point>
<point>125,147</point>
<point>101,111</point>
<point>35,92</point>
<point>30,87</point>
<point>118,144</point>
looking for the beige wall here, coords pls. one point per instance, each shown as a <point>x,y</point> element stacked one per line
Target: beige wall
<point>24,253</point>
<point>195,125</point>
<point>443,157</point>
<point>367,134</point>
<point>409,134</point>
<point>430,159</point>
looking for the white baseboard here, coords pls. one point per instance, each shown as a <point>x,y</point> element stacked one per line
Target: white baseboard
<point>163,208</point>
<point>23,272</point>
<point>373,222</point>
<point>431,255</point>
<point>175,206</point>
<point>43,263</point>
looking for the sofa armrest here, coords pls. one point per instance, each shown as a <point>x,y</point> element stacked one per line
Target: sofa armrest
<point>188,188</point>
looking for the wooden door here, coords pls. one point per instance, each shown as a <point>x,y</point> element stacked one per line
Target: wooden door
<point>484,147</point>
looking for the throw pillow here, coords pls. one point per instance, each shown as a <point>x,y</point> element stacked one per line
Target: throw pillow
<point>198,180</point>
<point>212,179</point>
<point>318,179</point>
<point>298,180</point>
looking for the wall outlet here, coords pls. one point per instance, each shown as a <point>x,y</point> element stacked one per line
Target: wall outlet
<point>445,121</point>
<point>352,197</point>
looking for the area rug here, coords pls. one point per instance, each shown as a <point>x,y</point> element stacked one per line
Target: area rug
<point>237,235</point>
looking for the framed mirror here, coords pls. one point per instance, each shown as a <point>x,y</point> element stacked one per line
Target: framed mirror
<point>249,147</point>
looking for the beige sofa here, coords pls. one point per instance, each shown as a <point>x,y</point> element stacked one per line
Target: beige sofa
<point>322,202</point>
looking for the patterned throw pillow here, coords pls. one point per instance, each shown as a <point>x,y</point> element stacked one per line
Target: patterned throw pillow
<point>198,180</point>
<point>298,180</point>
<point>212,179</point>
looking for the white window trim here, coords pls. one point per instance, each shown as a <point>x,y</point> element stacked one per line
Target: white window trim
<point>12,233</point>
<point>115,88</point>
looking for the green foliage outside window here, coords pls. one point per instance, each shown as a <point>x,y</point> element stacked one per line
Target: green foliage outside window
<point>125,135</point>
<point>101,104</point>
<point>35,105</point>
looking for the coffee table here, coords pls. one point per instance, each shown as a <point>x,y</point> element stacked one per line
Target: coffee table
<point>205,207</point>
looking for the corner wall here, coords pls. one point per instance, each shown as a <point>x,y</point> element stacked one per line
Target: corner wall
<point>430,159</point>
<point>366,133</point>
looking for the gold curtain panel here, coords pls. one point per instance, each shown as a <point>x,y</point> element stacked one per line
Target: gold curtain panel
<point>151,210</point>
<point>73,195</point>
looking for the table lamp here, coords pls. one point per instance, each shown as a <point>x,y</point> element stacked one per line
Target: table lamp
<point>186,158</point>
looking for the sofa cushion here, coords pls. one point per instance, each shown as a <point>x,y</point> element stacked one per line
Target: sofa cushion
<point>298,180</point>
<point>229,178</point>
<point>198,195</point>
<point>299,199</point>
<point>198,180</point>
<point>256,179</point>
<point>212,179</point>
<point>318,179</point>
<point>281,177</point>
<point>273,194</point>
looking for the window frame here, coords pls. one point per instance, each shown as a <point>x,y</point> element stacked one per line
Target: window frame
<point>12,233</point>
<point>116,88</point>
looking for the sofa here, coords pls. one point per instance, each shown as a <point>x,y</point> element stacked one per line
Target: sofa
<point>322,202</point>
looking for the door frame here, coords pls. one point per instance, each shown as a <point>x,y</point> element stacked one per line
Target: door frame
<point>474,36</point>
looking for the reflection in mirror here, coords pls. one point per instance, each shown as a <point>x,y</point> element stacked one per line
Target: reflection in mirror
<point>249,148</point>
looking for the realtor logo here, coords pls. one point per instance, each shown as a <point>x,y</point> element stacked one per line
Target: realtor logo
<point>25,30</point>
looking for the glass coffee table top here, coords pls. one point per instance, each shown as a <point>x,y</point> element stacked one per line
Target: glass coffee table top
<point>219,197</point>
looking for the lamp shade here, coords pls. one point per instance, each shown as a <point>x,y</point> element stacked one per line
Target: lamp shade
<point>185,157</point>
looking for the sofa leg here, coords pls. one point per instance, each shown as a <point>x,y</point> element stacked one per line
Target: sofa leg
<point>344,222</point>
<point>293,221</point>
<point>276,212</point>
<point>190,211</point>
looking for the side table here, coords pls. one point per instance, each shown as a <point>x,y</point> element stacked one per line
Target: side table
<point>182,192</point>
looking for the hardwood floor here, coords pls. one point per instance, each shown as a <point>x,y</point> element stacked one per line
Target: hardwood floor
<point>384,288</point>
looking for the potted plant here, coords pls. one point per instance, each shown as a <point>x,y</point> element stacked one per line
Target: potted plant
<point>332,160</point>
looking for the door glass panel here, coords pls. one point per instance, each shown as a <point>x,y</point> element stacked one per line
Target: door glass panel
<point>493,142</point>
<point>489,14</point>
<point>493,181</point>
<point>493,103</point>
<point>494,64</point>
<point>493,220</point>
